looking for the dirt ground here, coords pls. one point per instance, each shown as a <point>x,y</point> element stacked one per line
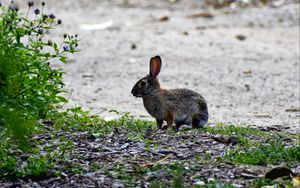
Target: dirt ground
<point>244,61</point>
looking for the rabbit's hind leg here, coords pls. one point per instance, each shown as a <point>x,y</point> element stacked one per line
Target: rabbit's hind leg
<point>182,120</point>
<point>200,119</point>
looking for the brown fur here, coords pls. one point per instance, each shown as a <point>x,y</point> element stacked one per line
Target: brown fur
<point>180,105</point>
<point>169,118</point>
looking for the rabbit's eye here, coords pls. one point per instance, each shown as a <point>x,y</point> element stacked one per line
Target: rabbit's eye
<point>143,83</point>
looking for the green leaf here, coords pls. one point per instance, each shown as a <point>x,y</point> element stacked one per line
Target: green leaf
<point>63,59</point>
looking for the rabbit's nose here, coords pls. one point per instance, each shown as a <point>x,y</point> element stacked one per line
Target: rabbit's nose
<point>133,92</point>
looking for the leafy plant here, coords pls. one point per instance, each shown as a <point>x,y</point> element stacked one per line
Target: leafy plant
<point>8,163</point>
<point>37,166</point>
<point>30,88</point>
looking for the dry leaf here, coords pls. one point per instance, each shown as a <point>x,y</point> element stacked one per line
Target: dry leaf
<point>247,71</point>
<point>296,180</point>
<point>278,172</point>
<point>147,165</point>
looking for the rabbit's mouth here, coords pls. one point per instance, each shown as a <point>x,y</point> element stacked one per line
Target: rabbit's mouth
<point>138,95</point>
<point>135,93</point>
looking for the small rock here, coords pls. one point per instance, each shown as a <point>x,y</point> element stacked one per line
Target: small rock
<point>237,185</point>
<point>97,90</point>
<point>202,15</point>
<point>219,138</point>
<point>241,37</point>
<point>199,182</point>
<point>87,76</point>
<point>89,174</point>
<point>124,145</point>
<point>247,86</point>
<point>133,46</point>
<point>117,184</point>
<point>247,71</point>
<point>164,18</point>
<point>166,152</point>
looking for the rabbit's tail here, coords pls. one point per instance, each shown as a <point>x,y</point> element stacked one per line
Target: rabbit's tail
<point>200,119</point>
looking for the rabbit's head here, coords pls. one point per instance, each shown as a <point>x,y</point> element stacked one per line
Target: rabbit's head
<point>149,84</point>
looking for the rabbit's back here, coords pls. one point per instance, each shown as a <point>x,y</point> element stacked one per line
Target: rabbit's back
<point>183,104</point>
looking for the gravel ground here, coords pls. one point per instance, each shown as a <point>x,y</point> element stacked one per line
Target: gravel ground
<point>244,61</point>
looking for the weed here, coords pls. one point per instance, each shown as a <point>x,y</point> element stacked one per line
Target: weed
<point>178,179</point>
<point>37,166</point>
<point>136,129</point>
<point>216,184</point>
<point>272,183</point>
<point>234,130</point>
<point>30,87</point>
<point>271,153</point>
<point>158,184</point>
<point>243,133</point>
<point>8,164</point>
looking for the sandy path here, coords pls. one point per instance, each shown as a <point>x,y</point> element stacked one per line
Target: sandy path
<point>253,82</point>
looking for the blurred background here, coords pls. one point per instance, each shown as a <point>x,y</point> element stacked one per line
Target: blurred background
<point>242,56</point>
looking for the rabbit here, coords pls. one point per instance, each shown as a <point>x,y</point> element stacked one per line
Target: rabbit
<point>182,106</point>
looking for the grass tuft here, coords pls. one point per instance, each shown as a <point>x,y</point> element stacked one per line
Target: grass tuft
<point>271,153</point>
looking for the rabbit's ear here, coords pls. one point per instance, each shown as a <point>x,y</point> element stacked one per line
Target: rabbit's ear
<point>155,65</point>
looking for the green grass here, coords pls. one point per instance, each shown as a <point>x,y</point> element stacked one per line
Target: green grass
<point>242,133</point>
<point>224,129</point>
<point>277,183</point>
<point>133,129</point>
<point>269,148</point>
<point>35,166</point>
<point>271,153</point>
